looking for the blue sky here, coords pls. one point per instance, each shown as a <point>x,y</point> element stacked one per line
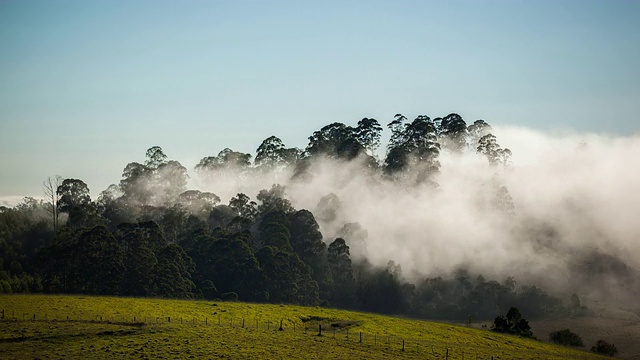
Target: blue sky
<point>88,86</point>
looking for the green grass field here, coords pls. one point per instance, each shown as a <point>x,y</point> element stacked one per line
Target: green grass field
<point>111,327</point>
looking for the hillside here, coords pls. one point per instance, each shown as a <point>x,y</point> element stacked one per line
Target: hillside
<point>111,327</point>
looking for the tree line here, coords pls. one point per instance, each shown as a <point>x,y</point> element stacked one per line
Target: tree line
<point>149,235</point>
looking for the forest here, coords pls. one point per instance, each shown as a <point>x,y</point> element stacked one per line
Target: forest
<point>151,236</point>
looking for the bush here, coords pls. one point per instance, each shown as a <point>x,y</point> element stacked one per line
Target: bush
<point>5,287</point>
<point>566,337</point>
<point>513,323</point>
<point>604,348</point>
<point>230,296</point>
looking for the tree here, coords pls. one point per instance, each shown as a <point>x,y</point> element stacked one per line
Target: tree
<point>75,200</point>
<point>272,153</point>
<point>198,202</point>
<point>513,323</point>
<point>604,348</point>
<point>226,159</point>
<point>566,337</point>
<point>137,242</point>
<point>477,130</point>
<point>306,240</point>
<point>50,186</point>
<point>173,273</point>
<point>413,145</point>
<point>134,183</point>
<point>155,157</point>
<point>453,131</point>
<point>73,193</point>
<point>335,140</point>
<point>286,278</point>
<point>489,147</point>
<point>378,290</point>
<point>273,231</point>
<point>98,262</point>
<point>368,134</point>
<point>243,206</point>
<point>232,267</point>
<point>274,199</point>
<point>169,180</point>
<point>344,284</point>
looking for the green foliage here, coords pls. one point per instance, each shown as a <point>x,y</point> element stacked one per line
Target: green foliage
<point>604,348</point>
<point>226,160</point>
<point>344,284</point>
<point>513,323</point>
<point>566,337</point>
<point>286,278</point>
<point>413,145</point>
<point>272,154</point>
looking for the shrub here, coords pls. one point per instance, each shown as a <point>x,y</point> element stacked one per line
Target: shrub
<point>566,337</point>
<point>513,323</point>
<point>230,296</point>
<point>604,348</point>
<point>5,287</point>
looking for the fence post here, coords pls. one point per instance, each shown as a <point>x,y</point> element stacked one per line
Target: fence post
<point>446,356</point>
<point>402,344</point>
<point>168,318</point>
<point>361,337</point>
<point>319,329</point>
<point>242,322</point>
<point>280,329</point>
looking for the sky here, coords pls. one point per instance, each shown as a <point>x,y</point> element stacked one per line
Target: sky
<point>87,86</point>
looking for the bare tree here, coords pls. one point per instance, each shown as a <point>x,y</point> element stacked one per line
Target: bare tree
<point>50,186</point>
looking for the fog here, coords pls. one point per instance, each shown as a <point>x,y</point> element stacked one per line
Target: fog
<point>573,224</point>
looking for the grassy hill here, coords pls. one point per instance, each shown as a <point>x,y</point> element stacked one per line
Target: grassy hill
<point>46,327</point>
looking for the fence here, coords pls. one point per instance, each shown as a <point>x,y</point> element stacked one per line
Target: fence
<point>342,336</point>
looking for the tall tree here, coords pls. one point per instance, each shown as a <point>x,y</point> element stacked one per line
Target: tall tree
<point>368,133</point>
<point>453,132</point>
<point>489,147</point>
<point>173,273</point>
<point>226,159</point>
<point>272,154</point>
<point>286,278</point>
<point>75,200</point>
<point>155,157</point>
<point>344,284</point>
<point>413,144</point>
<point>274,199</point>
<point>306,240</point>
<point>50,186</point>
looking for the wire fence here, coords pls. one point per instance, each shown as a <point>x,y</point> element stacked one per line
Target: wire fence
<point>343,336</point>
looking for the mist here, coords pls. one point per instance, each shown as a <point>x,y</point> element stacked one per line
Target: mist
<point>562,213</point>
